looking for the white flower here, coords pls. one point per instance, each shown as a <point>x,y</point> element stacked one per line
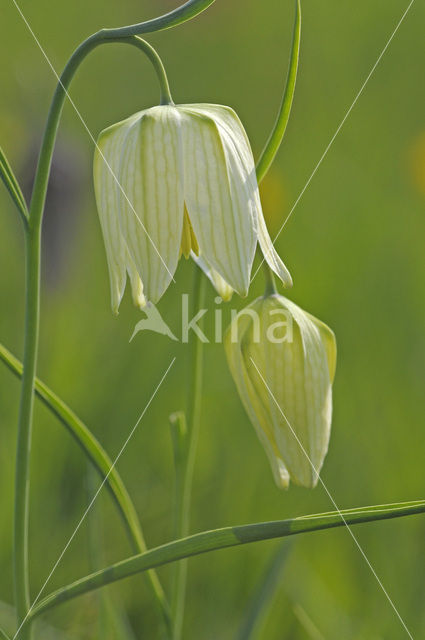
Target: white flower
<point>180,179</point>
<point>283,362</point>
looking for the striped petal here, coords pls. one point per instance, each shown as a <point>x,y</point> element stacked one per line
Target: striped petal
<point>219,192</point>
<point>297,373</point>
<point>285,383</point>
<point>151,212</point>
<point>228,122</point>
<point>105,173</point>
<point>252,395</point>
<point>270,254</point>
<point>223,289</point>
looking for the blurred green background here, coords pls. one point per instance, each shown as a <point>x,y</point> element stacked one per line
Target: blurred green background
<point>355,247</point>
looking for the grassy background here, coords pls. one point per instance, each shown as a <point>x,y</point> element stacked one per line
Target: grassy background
<point>355,246</point>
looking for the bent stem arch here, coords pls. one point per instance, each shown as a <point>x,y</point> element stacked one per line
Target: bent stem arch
<point>32,273</point>
<point>223,538</point>
<point>32,313</point>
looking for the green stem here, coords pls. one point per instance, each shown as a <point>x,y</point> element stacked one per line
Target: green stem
<point>270,281</point>
<point>185,12</point>
<point>276,136</point>
<point>262,598</point>
<point>188,455</point>
<point>221,539</point>
<point>22,469</point>
<point>46,152</point>
<point>178,427</point>
<point>33,233</point>
<point>157,64</point>
<point>32,288</point>
<point>275,139</point>
<point>103,464</point>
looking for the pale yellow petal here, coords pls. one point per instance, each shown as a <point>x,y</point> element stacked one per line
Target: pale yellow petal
<point>219,196</point>
<point>151,212</point>
<point>105,170</point>
<point>223,289</point>
<point>270,254</point>
<point>253,398</point>
<point>285,382</point>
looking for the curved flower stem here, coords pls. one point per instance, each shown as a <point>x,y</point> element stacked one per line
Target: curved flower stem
<point>157,64</point>
<point>276,136</point>
<point>275,139</point>
<point>55,112</point>
<point>32,313</point>
<point>189,439</point>
<point>32,286</point>
<point>221,539</point>
<point>21,513</point>
<point>185,12</point>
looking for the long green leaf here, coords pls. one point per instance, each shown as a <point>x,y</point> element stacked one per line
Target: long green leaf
<point>99,458</point>
<point>276,136</point>
<point>221,539</point>
<point>12,185</point>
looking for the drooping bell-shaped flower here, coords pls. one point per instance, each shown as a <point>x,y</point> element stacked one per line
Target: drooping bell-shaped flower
<point>180,179</point>
<point>283,362</point>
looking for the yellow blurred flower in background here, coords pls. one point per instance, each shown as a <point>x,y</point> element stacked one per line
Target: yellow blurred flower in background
<point>274,198</point>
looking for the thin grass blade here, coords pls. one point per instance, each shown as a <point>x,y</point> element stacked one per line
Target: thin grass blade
<point>12,185</point>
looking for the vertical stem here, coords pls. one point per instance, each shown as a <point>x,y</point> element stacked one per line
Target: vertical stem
<point>32,289</point>
<point>178,426</point>
<point>270,280</point>
<point>32,311</point>
<point>22,471</point>
<point>189,453</point>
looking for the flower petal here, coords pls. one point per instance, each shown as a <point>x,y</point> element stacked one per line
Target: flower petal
<point>228,121</point>
<point>299,378</point>
<point>252,392</point>
<point>270,254</point>
<point>105,170</point>
<point>151,212</point>
<point>136,284</point>
<point>282,360</point>
<point>220,193</point>
<point>223,289</point>
<point>329,341</point>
